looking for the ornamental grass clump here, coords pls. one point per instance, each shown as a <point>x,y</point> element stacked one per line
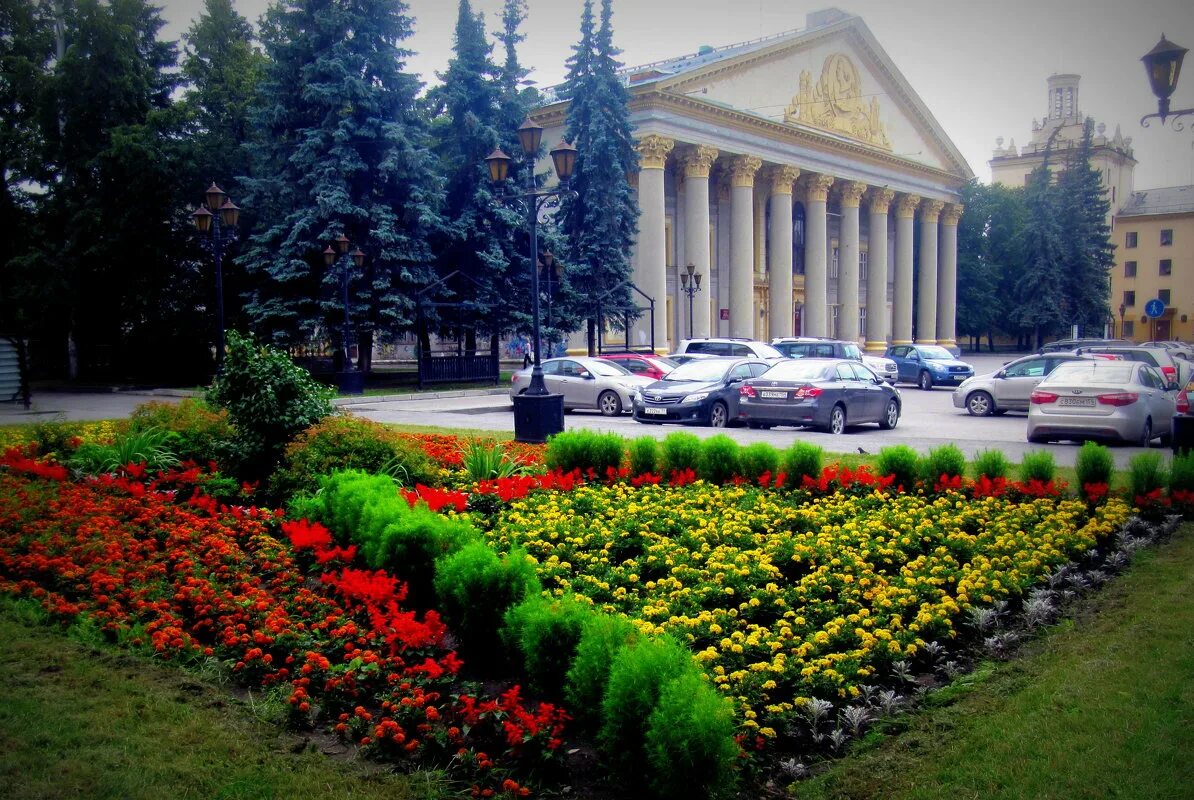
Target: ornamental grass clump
<point>644,455</point>
<point>1037,466</point>
<point>756,460</point>
<point>585,450</point>
<point>718,461</point>
<point>801,460</point>
<point>1094,464</point>
<point>681,451</point>
<point>487,460</point>
<point>948,461</point>
<point>544,633</point>
<point>152,447</point>
<point>990,464</point>
<point>1181,472</point>
<point>1146,476</point>
<point>602,638</point>
<point>902,463</point>
<point>690,741</point>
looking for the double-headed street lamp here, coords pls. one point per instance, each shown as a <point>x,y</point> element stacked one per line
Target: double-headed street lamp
<point>690,284</point>
<point>537,413</point>
<point>1164,66</point>
<point>351,377</point>
<point>216,221</point>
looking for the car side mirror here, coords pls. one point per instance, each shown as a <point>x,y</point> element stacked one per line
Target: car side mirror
<point>1001,373</point>
<point>586,374</point>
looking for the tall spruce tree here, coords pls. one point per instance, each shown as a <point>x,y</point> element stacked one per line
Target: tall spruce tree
<point>1040,304</point>
<point>601,221</point>
<point>1088,255</point>
<point>341,148</point>
<point>989,259</point>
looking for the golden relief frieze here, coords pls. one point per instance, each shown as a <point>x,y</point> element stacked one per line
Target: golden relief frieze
<point>836,103</point>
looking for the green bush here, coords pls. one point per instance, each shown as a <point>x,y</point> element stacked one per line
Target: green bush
<point>947,460</point>
<point>546,634</point>
<point>802,459</point>
<point>690,741</point>
<point>342,442</point>
<point>602,637</point>
<point>758,458</point>
<point>902,462</point>
<point>1037,466</point>
<point>584,450</point>
<point>474,588</point>
<point>487,460</point>
<point>55,439</point>
<point>1181,472</point>
<point>636,680</point>
<point>644,455</point>
<point>201,433</point>
<point>990,464</point>
<point>681,451</point>
<point>269,401</point>
<point>1146,473</point>
<point>1094,464</point>
<point>718,462</point>
<point>151,447</point>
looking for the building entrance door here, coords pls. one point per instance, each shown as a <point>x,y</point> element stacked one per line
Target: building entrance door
<point>1161,330</point>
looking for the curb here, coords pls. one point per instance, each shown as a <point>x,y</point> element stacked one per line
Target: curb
<point>394,398</point>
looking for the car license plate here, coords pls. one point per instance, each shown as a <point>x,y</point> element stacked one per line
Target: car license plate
<point>660,411</point>
<point>773,395</point>
<point>1087,402</point>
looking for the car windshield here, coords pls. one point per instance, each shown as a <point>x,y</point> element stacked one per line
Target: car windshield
<point>935,353</point>
<point>1090,373</point>
<point>852,351</point>
<point>606,369</point>
<point>703,369</point>
<point>800,370</point>
<point>767,351</point>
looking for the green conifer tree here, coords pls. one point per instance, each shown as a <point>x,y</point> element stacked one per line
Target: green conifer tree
<point>1040,286</point>
<point>1088,255</point>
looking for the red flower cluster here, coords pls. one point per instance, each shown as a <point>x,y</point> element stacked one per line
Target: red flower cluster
<point>835,476</point>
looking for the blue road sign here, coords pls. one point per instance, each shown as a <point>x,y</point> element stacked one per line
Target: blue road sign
<point>1154,308</point>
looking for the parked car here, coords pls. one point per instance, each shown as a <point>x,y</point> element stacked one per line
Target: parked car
<point>651,366</point>
<point>684,358</point>
<point>817,347</point>
<point>585,383</point>
<point>1009,388</point>
<point>1178,369</point>
<point>1094,399</point>
<point>704,392</point>
<point>1179,349</point>
<point>738,348</point>
<point>1064,345</point>
<point>825,393</point>
<point>928,365</point>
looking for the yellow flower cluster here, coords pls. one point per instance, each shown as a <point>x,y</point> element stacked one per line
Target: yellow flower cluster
<point>781,601</point>
<point>101,432</point>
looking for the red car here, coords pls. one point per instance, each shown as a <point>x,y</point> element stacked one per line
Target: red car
<point>642,364</point>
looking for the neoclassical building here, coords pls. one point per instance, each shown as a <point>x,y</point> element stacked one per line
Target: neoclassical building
<point>804,181</point>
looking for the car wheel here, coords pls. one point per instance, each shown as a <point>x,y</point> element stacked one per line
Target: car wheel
<point>891,416</point>
<point>609,403</point>
<point>837,421</point>
<point>925,381</point>
<point>1146,434</point>
<point>980,404</point>
<point>718,415</point>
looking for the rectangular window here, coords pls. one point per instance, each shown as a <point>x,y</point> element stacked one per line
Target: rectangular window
<point>863,264</point>
<point>1129,299</point>
<point>1166,266</point>
<point>1163,295</point>
<point>1129,269</point>
<point>1166,237</point>
<point>862,320</point>
<point>1130,239</point>
<point>1129,328</point>
<point>833,264</point>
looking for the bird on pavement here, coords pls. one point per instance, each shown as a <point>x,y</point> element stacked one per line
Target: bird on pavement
<point>863,452</point>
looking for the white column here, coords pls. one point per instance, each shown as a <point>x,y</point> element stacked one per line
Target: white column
<point>926,305</point>
<point>697,163</point>
<point>947,280</point>
<point>850,194</point>
<point>742,240</point>
<point>779,251</point>
<point>650,269</point>
<point>901,304</point>
<point>816,237</point>
<point>877,323</point>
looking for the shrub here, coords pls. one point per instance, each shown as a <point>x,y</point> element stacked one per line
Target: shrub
<point>990,464</point>
<point>342,442</point>
<point>756,459</point>
<point>690,741</point>
<point>1146,474</point>
<point>681,451</point>
<point>487,460</point>
<point>602,637</point>
<point>636,680</point>
<point>902,462</point>
<point>1037,466</point>
<point>201,433</point>
<point>269,401</point>
<point>644,455</point>
<point>57,439</point>
<point>945,460</point>
<point>1094,464</point>
<point>474,588</point>
<point>1181,472</point>
<point>584,450</point>
<point>718,461</point>
<point>151,447</point>
<point>802,459</point>
<point>546,634</point>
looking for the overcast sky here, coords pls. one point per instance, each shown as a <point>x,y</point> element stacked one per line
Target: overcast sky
<point>980,67</point>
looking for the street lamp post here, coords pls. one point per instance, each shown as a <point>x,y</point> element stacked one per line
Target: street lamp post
<point>537,413</point>
<point>216,221</point>
<point>1163,64</point>
<point>551,273</point>
<point>690,284</point>
<point>1122,309</point>
<point>351,378</point>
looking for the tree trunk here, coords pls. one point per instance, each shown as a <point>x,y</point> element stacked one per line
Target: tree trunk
<point>591,335</point>
<point>365,351</point>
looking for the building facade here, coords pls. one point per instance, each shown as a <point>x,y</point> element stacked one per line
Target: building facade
<point>803,180</point>
<point>1154,260</point>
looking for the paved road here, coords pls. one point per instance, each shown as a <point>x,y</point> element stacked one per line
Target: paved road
<point>929,420</point>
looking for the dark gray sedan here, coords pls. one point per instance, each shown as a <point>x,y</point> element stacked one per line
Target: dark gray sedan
<point>830,394</point>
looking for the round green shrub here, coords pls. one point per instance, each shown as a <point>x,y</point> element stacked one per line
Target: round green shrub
<point>681,451</point>
<point>644,455</point>
<point>1146,473</point>
<point>584,450</point>
<point>947,460</point>
<point>200,433</point>
<point>1037,466</point>
<point>602,637</point>
<point>690,741</point>
<point>800,460</point>
<point>1094,464</point>
<point>718,461</point>
<point>990,464</point>
<point>902,462</point>
<point>1181,472</point>
<point>756,459</point>
<point>546,632</point>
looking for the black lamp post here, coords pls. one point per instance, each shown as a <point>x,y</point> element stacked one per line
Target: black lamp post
<point>551,272</point>
<point>1164,66</point>
<point>537,413</point>
<point>1122,309</point>
<point>690,284</point>
<point>351,379</point>
<point>216,221</point>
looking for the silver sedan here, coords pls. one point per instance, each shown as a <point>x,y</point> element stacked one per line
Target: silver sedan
<point>1118,400</point>
<point>585,383</point>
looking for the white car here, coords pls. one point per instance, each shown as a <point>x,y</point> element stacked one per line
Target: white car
<point>737,348</point>
<point>585,383</point>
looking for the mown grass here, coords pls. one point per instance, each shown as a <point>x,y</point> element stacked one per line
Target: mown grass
<point>81,721</point>
<point>1098,708</point>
